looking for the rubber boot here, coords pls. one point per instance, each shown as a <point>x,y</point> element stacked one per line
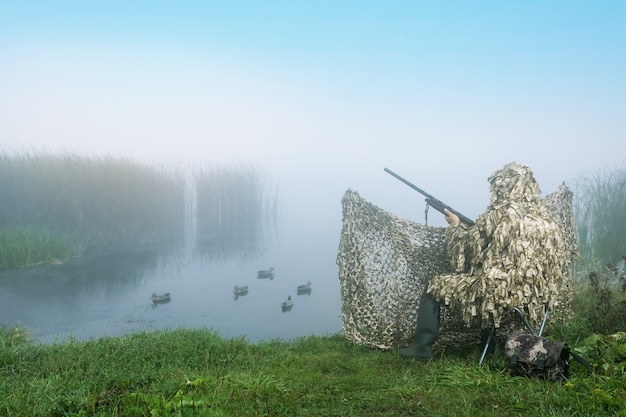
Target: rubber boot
<point>426,331</point>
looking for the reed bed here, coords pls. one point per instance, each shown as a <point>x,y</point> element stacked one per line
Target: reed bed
<point>56,204</point>
<point>118,196</point>
<point>600,214</point>
<point>27,247</point>
<point>94,201</point>
<point>236,211</point>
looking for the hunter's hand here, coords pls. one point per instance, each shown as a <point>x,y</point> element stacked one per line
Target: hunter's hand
<point>450,217</point>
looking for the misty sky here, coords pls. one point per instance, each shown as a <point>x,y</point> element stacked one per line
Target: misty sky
<point>324,94</point>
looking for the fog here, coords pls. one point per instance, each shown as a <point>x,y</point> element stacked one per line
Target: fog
<point>323,97</point>
<point>316,143</point>
<point>323,101</point>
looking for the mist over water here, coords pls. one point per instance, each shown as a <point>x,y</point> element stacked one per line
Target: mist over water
<point>109,295</point>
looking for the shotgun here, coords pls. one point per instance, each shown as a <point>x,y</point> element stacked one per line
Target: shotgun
<point>432,201</point>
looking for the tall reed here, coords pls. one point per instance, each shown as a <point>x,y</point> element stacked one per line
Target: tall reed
<point>97,200</point>
<point>105,201</point>
<point>236,208</point>
<point>29,246</point>
<point>600,214</point>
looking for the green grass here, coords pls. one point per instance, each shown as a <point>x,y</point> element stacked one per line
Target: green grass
<point>196,372</point>
<point>25,247</point>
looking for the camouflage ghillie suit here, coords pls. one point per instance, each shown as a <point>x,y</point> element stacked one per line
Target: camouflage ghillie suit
<point>515,255</point>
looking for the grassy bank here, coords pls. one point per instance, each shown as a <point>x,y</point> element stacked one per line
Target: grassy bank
<point>188,372</point>
<point>195,372</point>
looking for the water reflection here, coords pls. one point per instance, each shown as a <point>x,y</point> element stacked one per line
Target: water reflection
<point>110,294</point>
<point>107,274</point>
<point>76,296</point>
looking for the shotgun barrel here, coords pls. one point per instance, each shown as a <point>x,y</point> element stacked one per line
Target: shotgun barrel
<point>432,201</point>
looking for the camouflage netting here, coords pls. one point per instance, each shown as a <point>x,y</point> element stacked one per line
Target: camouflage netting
<point>385,264</point>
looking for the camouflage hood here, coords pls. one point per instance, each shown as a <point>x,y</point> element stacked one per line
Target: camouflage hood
<point>514,183</point>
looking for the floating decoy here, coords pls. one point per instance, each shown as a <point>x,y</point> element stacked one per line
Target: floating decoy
<point>268,273</point>
<point>287,304</point>
<point>160,298</point>
<point>305,289</point>
<point>240,290</point>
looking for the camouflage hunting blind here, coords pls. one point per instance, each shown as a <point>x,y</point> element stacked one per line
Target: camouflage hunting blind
<point>387,262</point>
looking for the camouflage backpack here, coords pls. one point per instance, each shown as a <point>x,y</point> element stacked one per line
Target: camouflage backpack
<point>535,356</point>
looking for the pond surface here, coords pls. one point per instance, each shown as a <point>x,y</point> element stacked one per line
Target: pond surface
<point>97,295</point>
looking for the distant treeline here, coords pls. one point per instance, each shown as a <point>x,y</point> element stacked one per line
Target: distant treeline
<point>78,202</point>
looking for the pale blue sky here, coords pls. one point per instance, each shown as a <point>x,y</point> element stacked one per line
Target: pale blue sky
<point>443,92</point>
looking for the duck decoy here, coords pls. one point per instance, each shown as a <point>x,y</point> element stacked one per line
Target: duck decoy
<point>304,289</point>
<point>160,298</point>
<point>268,273</point>
<point>243,290</point>
<point>287,304</point>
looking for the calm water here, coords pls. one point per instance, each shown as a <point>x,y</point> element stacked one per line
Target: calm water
<point>111,296</point>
